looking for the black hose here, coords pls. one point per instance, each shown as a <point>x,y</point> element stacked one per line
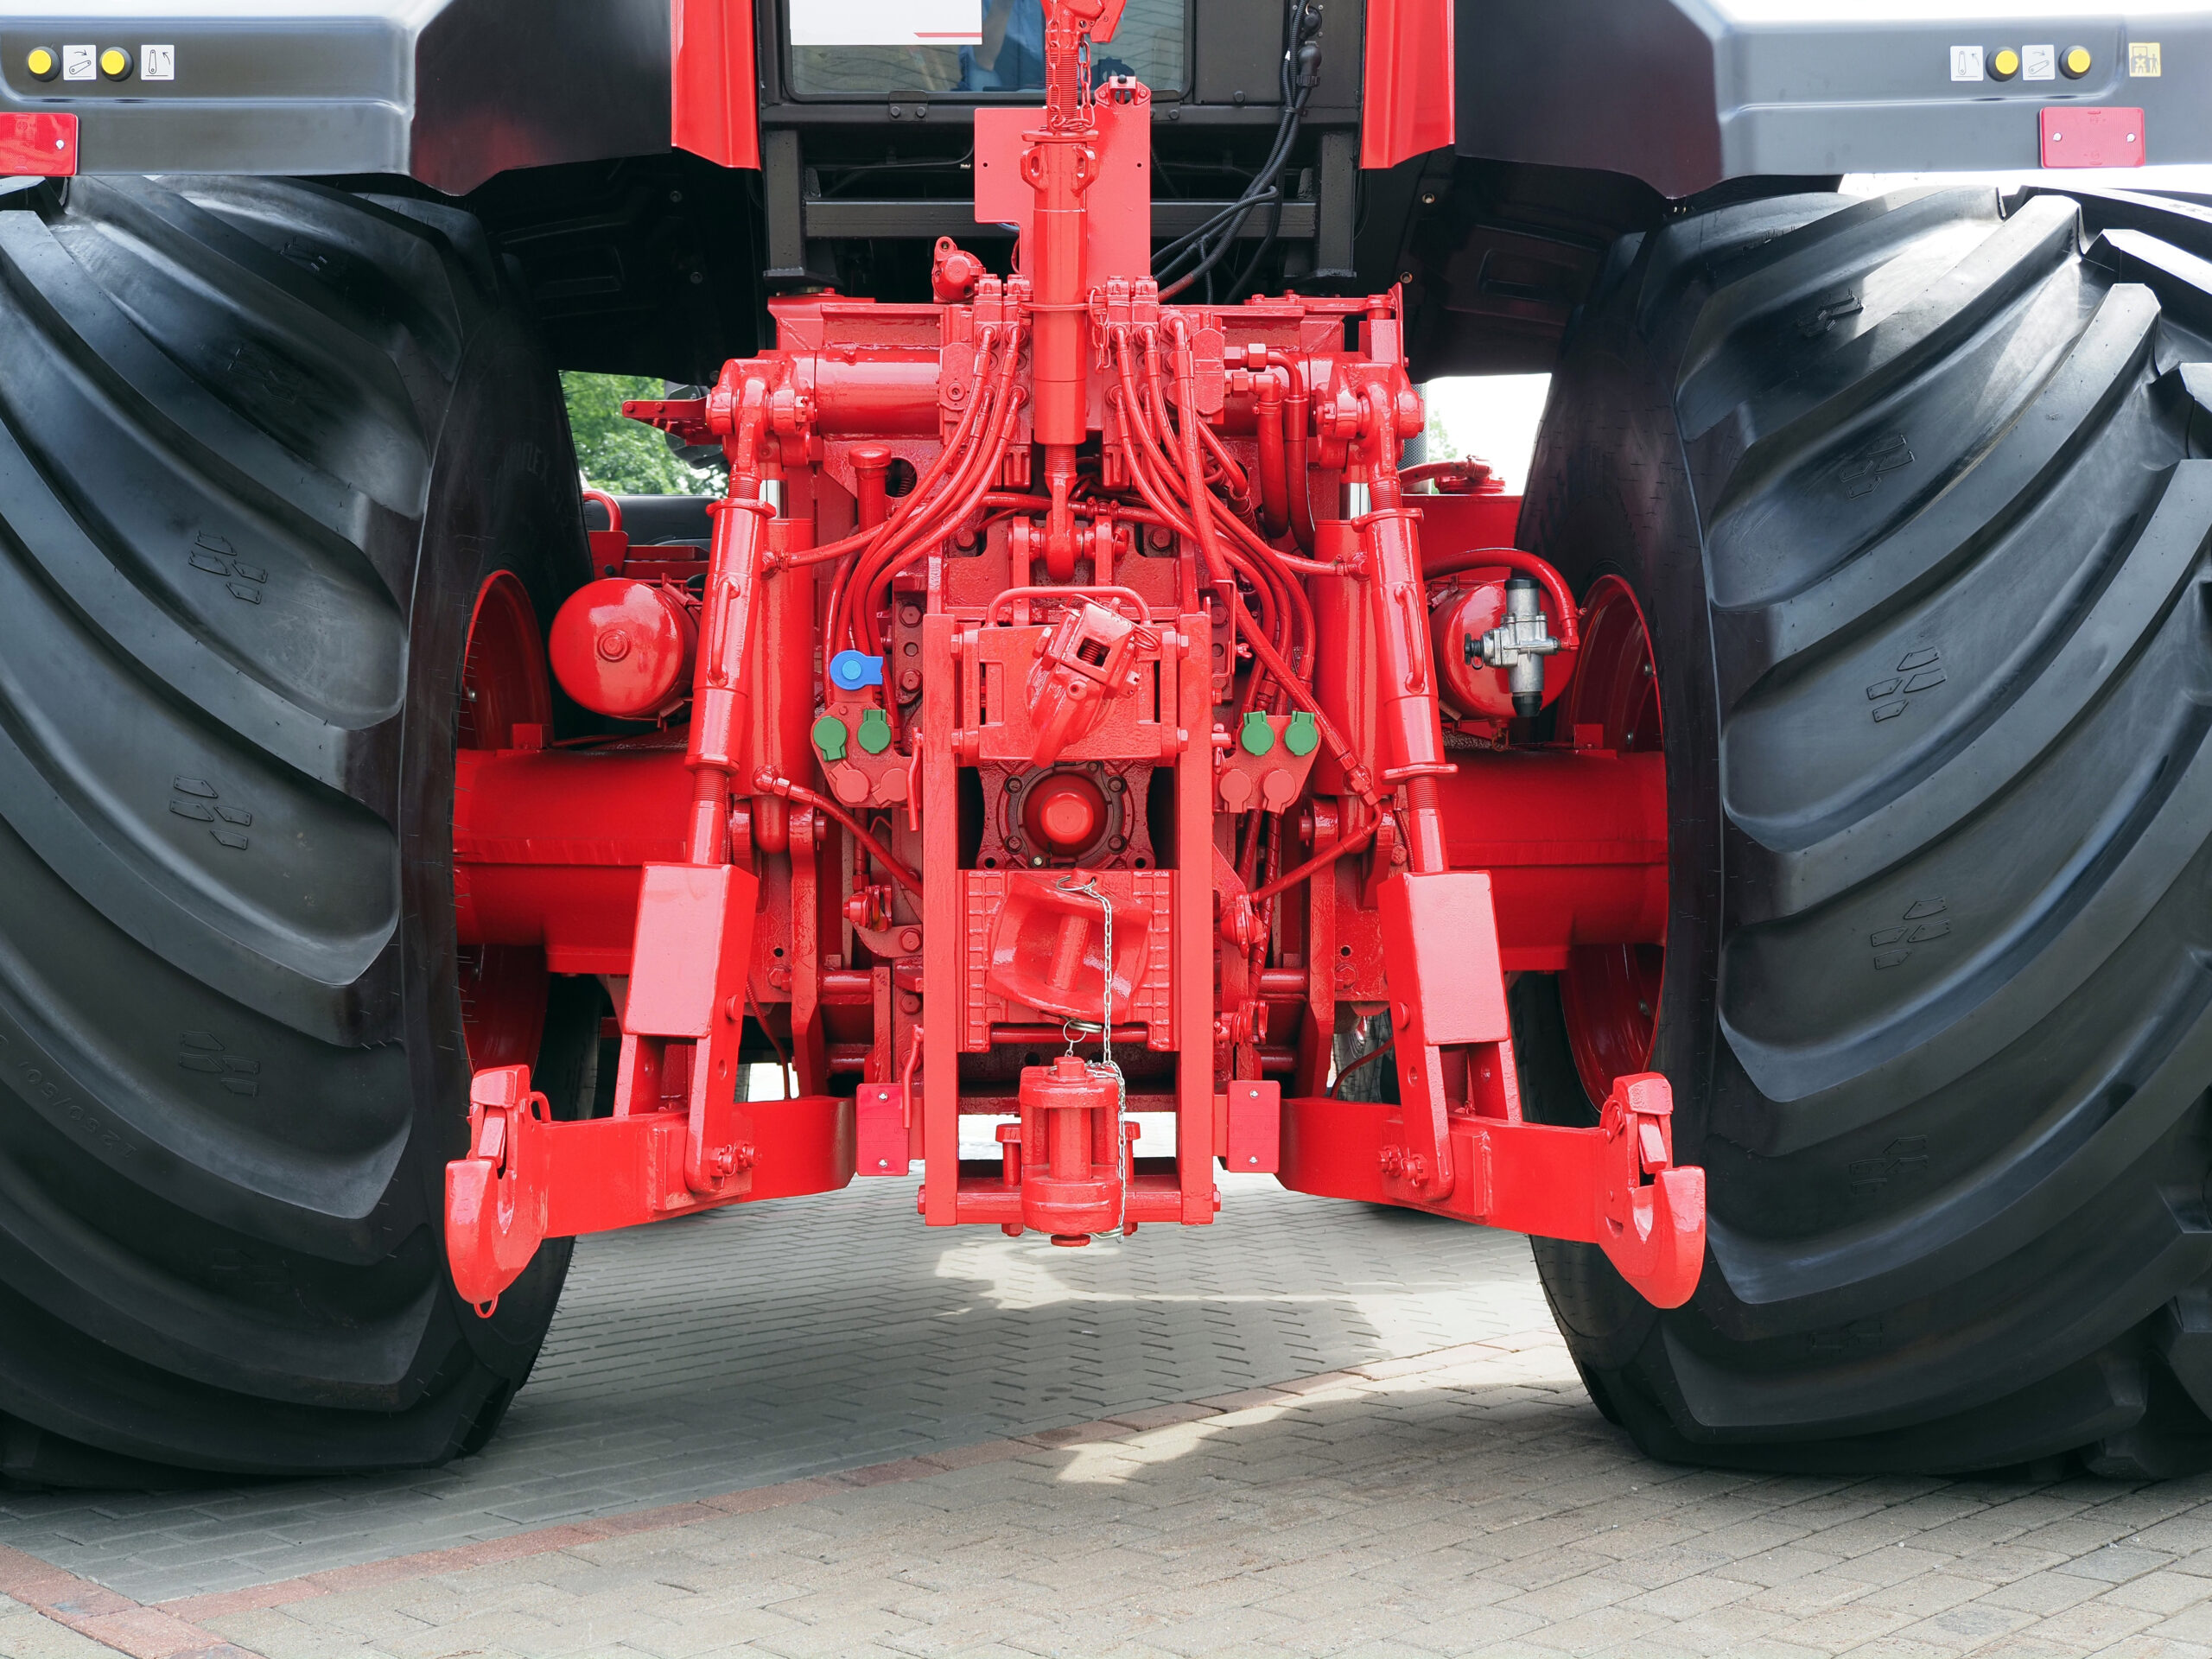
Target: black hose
<point>1211,242</point>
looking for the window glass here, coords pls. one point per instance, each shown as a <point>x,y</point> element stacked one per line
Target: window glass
<point>868,47</point>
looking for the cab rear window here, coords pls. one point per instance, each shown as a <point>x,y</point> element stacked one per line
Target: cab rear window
<point>864,48</point>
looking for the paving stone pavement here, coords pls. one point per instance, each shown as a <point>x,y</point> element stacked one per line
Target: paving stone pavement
<point>1471,1502</point>
<point>755,1345</point>
<point>27,1635</point>
<point>800,1432</point>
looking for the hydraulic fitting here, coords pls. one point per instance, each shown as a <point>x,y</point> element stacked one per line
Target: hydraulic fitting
<point>1520,644</point>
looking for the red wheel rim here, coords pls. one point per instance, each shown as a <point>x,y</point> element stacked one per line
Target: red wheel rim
<point>504,684</point>
<point>1610,993</point>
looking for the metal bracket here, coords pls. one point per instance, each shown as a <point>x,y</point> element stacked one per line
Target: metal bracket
<point>1616,1186</point>
<point>1447,990</point>
<point>685,1014</point>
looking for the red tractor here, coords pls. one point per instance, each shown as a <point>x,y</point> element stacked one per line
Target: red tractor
<point>1766,865</point>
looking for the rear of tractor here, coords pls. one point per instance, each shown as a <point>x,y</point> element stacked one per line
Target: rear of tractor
<point>1081,713</point>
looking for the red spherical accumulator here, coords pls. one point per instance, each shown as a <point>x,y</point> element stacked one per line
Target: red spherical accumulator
<point>624,647</point>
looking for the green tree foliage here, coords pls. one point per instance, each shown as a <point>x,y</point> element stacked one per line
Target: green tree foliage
<point>621,456</point>
<point>1441,447</point>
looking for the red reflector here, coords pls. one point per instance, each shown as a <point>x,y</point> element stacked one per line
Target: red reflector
<point>42,143</point>
<point>2086,136</point>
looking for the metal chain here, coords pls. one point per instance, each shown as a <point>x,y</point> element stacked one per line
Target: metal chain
<point>1105,1066</point>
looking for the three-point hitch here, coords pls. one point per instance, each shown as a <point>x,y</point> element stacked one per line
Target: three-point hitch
<point>1074,668</point>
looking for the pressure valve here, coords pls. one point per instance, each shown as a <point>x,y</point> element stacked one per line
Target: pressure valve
<point>1520,644</point>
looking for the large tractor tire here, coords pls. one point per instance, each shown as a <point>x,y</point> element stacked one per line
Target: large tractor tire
<point>1910,495</point>
<point>286,495</point>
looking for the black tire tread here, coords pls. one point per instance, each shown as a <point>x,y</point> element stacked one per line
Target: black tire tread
<point>1935,531</point>
<point>228,423</point>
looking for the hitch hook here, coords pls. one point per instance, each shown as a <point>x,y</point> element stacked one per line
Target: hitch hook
<point>1650,1214</point>
<point>496,1197</point>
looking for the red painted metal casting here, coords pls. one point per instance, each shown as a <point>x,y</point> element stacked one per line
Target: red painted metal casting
<point>1074,717</point>
<point>1609,988</point>
<point>714,100</point>
<point>1406,103</point>
<point>625,647</point>
<point>505,704</point>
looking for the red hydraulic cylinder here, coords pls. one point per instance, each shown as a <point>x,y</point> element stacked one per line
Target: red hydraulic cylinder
<point>1059,165</point>
<point>1344,670</point>
<point>721,699</point>
<point>785,709</point>
<point>875,397</point>
<point>1408,719</point>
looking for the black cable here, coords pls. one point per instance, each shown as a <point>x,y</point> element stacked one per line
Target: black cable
<point>1176,251</point>
<point>1301,52</point>
<point>1302,18</point>
<point>1244,278</point>
<point>1300,70</point>
<point>1227,238</point>
<point>1261,188</point>
<point>1292,24</point>
<point>847,175</point>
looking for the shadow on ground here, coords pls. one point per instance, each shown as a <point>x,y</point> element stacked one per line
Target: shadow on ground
<point>815,1334</point>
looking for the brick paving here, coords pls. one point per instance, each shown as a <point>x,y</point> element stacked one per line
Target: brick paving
<point>25,1634</point>
<point>1465,1500</point>
<point>756,1346</point>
